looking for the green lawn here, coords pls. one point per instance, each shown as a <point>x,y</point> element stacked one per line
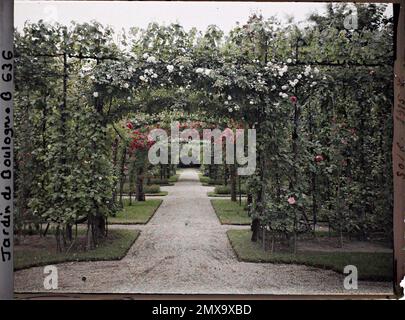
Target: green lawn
<point>371,266</point>
<point>114,248</point>
<point>230,212</point>
<point>139,212</point>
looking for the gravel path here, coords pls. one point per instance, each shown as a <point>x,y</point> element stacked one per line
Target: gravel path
<point>184,249</point>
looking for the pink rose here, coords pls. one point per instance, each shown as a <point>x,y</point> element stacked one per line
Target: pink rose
<point>291,200</point>
<point>293,99</point>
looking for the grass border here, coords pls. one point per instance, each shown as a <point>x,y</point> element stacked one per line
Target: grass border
<point>67,259</point>
<point>223,223</point>
<point>159,194</point>
<point>212,194</point>
<point>374,278</point>
<point>137,223</point>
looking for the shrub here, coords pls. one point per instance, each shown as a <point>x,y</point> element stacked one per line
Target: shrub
<point>153,188</point>
<point>204,179</point>
<point>222,190</point>
<point>214,182</point>
<point>227,189</point>
<point>155,181</point>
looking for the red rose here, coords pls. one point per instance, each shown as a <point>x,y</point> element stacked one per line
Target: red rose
<point>293,99</point>
<point>130,126</point>
<point>319,158</point>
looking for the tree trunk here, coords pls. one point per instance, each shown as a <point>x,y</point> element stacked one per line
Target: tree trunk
<point>225,175</point>
<point>233,181</point>
<point>249,199</point>
<point>115,156</point>
<point>255,229</point>
<point>69,232</point>
<point>140,195</point>
<point>122,174</point>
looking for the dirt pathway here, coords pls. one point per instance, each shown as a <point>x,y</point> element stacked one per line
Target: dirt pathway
<point>184,249</point>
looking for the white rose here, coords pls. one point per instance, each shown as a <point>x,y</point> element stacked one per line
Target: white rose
<point>151,59</point>
<point>170,68</point>
<point>207,72</point>
<point>95,94</point>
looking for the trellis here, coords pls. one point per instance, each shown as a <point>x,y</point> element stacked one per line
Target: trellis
<point>398,143</point>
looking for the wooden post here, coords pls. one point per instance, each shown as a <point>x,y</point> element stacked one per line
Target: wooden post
<point>398,150</point>
<point>6,149</point>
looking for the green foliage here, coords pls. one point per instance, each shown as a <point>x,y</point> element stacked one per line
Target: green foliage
<point>321,90</point>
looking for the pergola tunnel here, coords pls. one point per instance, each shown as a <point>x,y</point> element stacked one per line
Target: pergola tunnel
<point>313,104</point>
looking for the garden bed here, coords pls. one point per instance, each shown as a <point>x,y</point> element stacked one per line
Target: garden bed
<point>230,212</point>
<point>212,194</point>
<point>372,265</point>
<point>140,212</point>
<point>34,251</point>
<point>158,194</point>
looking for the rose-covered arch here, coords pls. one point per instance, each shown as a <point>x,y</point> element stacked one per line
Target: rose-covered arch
<point>251,87</point>
<point>252,75</point>
<point>132,136</point>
